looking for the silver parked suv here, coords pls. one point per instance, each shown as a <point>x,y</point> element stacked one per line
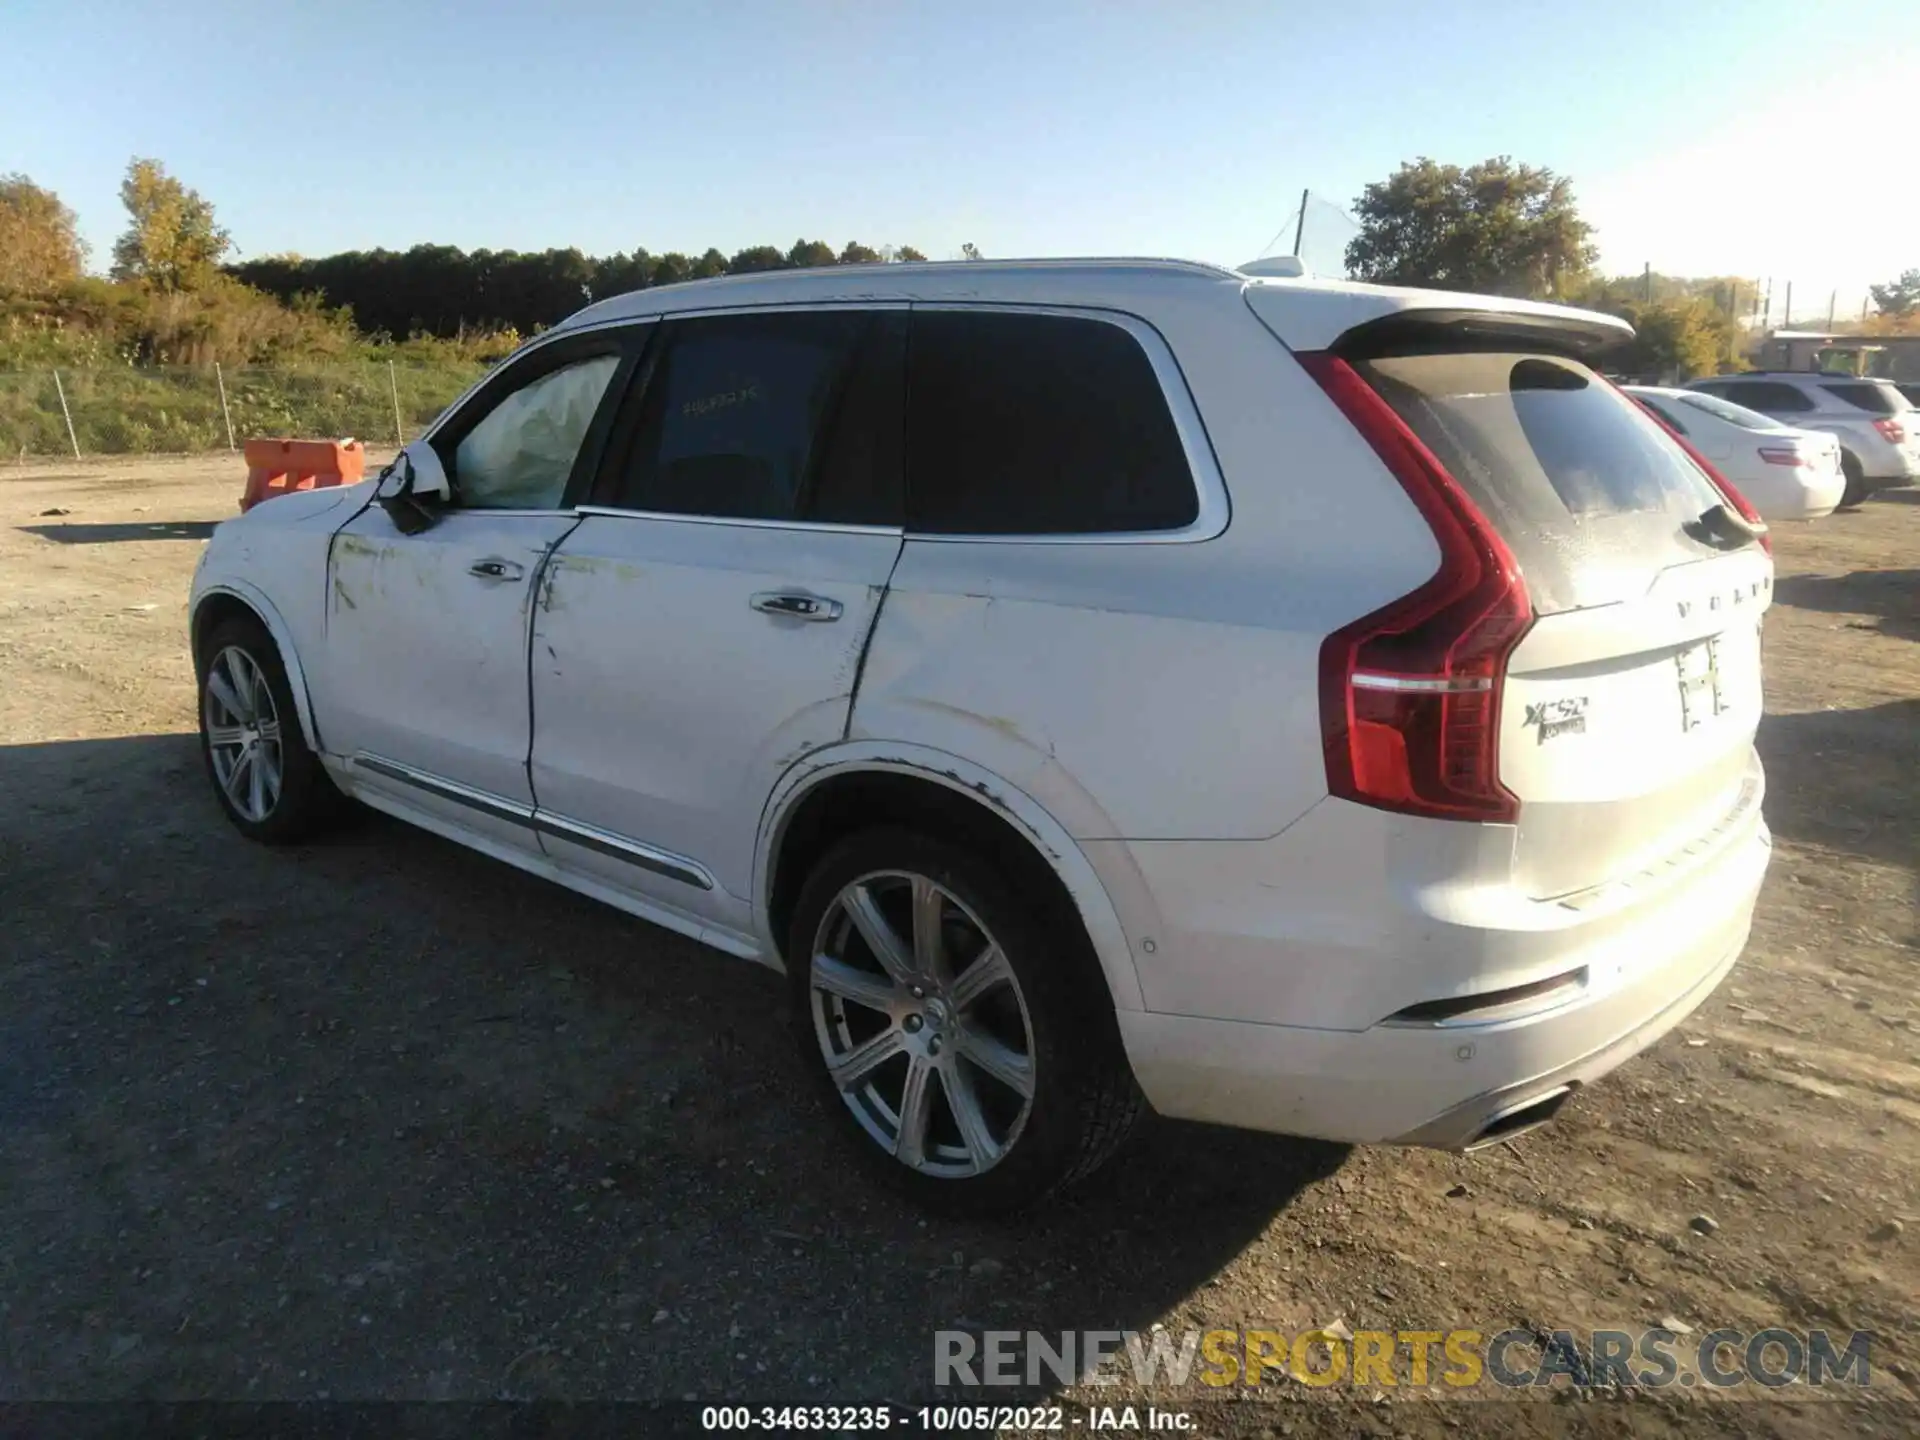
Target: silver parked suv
<point>1878,429</point>
<point>1291,704</point>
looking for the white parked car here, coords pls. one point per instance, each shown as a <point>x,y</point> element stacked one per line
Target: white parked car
<point>1878,430</point>
<point>1787,474</point>
<point>1298,705</point>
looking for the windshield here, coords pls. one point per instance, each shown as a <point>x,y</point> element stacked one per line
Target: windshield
<point>1726,410</point>
<point>1589,492</point>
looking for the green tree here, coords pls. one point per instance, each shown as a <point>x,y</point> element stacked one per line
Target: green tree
<point>40,249</point>
<point>809,254</point>
<point>905,253</point>
<point>1679,338</point>
<point>1899,298</point>
<point>756,258</point>
<point>710,264</point>
<point>1497,228</point>
<point>671,269</point>
<point>858,254</point>
<point>172,242</point>
<point>971,251</point>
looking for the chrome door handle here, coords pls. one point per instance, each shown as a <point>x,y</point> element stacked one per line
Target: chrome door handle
<point>796,605</point>
<point>494,568</point>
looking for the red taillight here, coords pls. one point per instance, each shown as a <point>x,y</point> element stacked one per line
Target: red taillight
<point>1410,695</point>
<point>1892,429</point>
<point>1728,491</point>
<point>1774,455</point>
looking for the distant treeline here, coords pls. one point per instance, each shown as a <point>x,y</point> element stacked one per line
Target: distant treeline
<point>444,291</point>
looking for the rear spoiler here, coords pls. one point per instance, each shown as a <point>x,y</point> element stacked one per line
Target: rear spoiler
<point>1418,331</point>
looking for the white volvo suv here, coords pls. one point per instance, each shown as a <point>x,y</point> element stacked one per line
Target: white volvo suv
<point>1298,705</point>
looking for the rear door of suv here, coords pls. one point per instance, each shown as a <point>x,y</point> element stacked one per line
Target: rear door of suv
<point>703,626</point>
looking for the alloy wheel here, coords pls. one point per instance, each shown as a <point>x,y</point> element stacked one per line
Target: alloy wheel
<point>243,734</point>
<point>922,1023</point>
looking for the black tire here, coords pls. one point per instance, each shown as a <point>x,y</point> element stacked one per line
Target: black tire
<point>1856,490</point>
<point>307,800</point>
<point>1083,1100</point>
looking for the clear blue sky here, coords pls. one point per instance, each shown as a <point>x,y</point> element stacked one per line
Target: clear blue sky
<point>1703,137</point>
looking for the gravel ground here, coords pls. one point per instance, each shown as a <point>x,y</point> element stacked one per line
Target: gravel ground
<point>379,1118</point>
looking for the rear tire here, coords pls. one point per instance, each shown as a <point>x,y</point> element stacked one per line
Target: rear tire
<point>1856,490</point>
<point>267,779</point>
<point>1003,1078</point>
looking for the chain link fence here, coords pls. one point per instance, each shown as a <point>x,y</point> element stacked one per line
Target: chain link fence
<point>160,409</point>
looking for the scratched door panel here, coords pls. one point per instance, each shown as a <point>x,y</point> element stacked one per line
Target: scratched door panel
<point>666,705</point>
<point>426,661</point>
<point>1627,729</point>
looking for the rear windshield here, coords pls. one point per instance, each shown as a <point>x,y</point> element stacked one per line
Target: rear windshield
<point>1589,492</point>
<point>1731,413</point>
<point>1880,399</point>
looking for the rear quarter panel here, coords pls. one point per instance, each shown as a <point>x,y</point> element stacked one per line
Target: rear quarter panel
<point>1160,690</point>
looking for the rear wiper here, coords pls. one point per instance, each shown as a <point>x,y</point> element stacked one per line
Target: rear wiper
<point>1725,527</point>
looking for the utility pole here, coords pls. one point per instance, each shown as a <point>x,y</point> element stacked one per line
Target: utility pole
<point>1646,283</point>
<point>1766,315</point>
<point>1786,315</point>
<point>1832,300</point>
<point>1300,226</point>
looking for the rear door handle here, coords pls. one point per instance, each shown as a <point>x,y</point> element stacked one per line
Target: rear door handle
<point>494,568</point>
<point>796,605</point>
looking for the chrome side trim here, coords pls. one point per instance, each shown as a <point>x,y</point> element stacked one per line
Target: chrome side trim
<point>618,847</point>
<point>590,837</point>
<point>614,512</point>
<point>497,806</point>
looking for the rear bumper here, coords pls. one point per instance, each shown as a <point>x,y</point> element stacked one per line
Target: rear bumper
<point>1444,1084</point>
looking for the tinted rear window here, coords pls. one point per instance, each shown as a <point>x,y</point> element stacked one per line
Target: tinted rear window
<point>1875,399</point>
<point>1590,492</point>
<point>1039,424</point>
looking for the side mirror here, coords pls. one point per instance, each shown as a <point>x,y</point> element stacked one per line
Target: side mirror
<point>414,488</point>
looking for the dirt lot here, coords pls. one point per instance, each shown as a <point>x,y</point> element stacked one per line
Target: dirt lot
<point>380,1118</point>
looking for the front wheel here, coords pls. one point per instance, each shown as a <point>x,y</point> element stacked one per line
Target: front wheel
<point>270,783</point>
<point>963,1040</point>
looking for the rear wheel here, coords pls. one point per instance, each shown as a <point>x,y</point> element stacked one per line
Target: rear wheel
<point>961,1041</point>
<point>1856,490</point>
<point>270,783</point>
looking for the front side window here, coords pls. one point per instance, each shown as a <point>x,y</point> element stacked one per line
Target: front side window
<point>1768,396</point>
<point>521,454</point>
<point>784,416</point>
<point>1025,424</point>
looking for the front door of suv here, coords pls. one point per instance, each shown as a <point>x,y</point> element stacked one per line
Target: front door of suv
<point>424,674</point>
<point>704,626</point>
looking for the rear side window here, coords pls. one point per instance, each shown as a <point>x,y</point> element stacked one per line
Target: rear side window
<point>1875,399</point>
<point>1587,490</point>
<point>1771,397</point>
<point>1039,425</point>
<point>769,416</point>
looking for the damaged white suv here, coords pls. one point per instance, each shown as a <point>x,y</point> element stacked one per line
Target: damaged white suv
<point>1298,705</point>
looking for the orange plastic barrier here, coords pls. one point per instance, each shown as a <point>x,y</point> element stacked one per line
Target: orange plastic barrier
<point>275,467</point>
